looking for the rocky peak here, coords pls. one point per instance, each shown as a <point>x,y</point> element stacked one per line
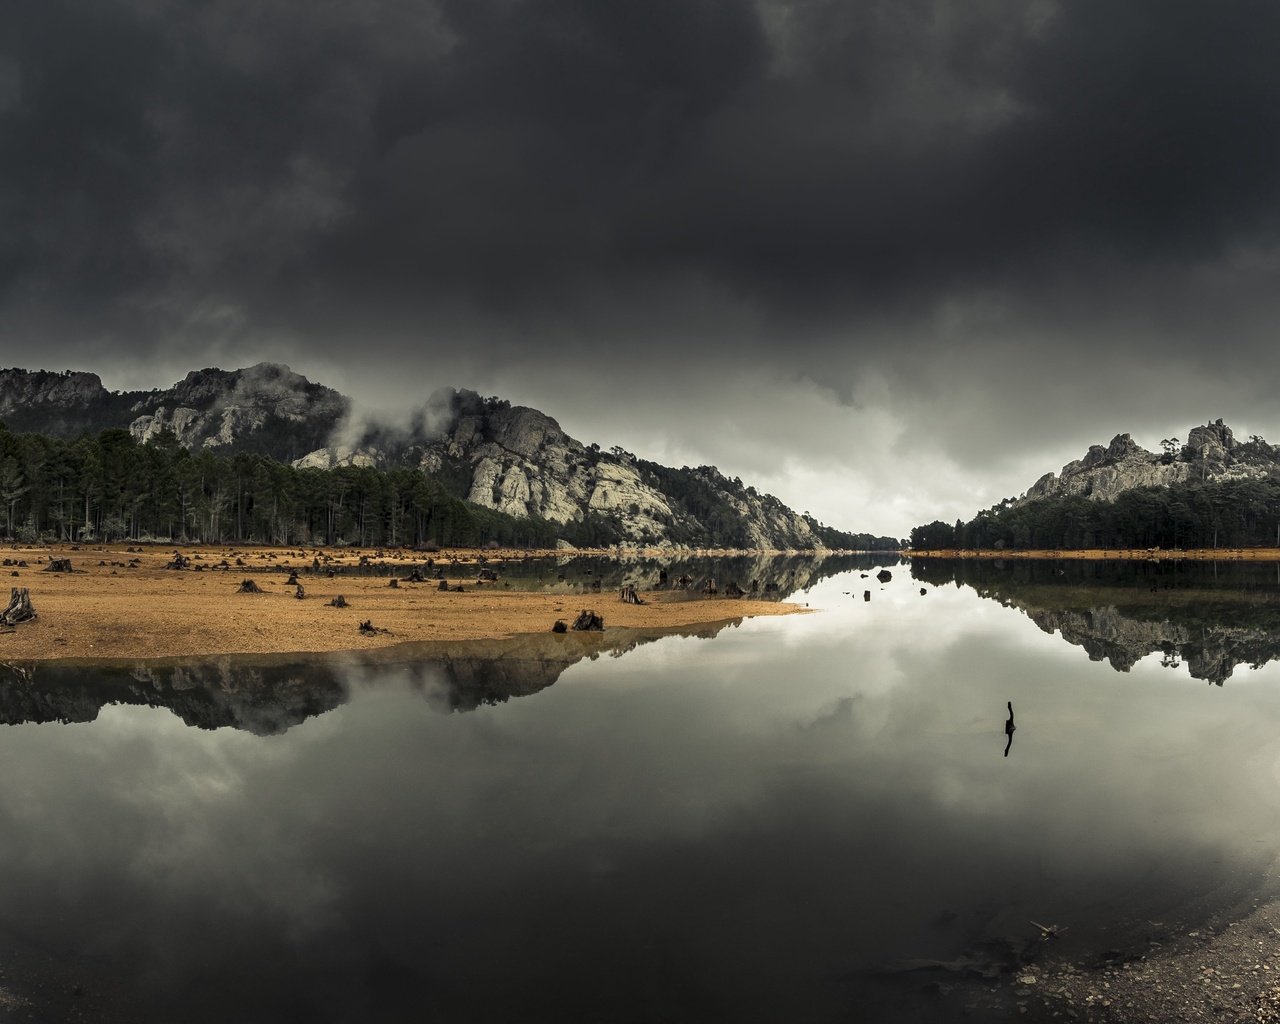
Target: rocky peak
<point>1106,472</point>
<point>1212,440</point>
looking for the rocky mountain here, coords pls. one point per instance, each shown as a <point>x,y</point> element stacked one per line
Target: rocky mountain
<point>265,408</point>
<point>1211,452</point>
<point>512,459</point>
<point>519,461</point>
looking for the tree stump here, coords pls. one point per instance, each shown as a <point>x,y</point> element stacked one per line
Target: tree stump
<point>292,581</point>
<point>588,620</point>
<point>560,627</point>
<point>866,595</point>
<point>58,565</point>
<point>248,587</point>
<point>628,595</point>
<point>299,593</point>
<point>179,561</point>
<point>733,590</point>
<point>393,583</point>
<point>338,602</point>
<point>20,609</point>
<point>884,575</point>
<point>444,585</point>
<point>369,629</point>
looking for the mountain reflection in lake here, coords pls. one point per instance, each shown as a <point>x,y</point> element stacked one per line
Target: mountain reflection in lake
<point>806,818</point>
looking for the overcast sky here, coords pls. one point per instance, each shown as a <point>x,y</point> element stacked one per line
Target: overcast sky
<point>890,260</point>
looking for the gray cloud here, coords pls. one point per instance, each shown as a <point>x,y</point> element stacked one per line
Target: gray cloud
<point>1012,228</point>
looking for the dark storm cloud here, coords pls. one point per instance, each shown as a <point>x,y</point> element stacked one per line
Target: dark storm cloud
<point>957,210</point>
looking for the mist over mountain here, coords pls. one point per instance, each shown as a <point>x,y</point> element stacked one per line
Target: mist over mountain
<point>511,459</point>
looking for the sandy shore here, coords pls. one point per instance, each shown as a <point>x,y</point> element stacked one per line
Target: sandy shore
<point>1114,554</point>
<point>124,604</point>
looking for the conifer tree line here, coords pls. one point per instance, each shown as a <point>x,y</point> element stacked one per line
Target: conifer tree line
<point>1210,514</point>
<point>110,487</point>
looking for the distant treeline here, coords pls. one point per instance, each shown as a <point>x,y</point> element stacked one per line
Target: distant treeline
<point>1227,513</point>
<point>110,487</point>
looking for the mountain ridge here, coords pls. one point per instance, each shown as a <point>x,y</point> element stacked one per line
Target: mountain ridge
<point>513,459</point>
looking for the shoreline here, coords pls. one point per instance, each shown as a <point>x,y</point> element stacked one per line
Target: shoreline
<point>121,603</point>
<point>1106,554</point>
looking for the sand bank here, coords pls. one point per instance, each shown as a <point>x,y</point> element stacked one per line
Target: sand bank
<point>124,604</point>
<point>1114,554</point>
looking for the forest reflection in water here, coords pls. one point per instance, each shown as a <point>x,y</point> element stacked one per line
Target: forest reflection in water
<point>1210,617</point>
<point>805,818</point>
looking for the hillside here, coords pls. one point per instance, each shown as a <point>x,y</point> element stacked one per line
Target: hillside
<point>1213,491</point>
<point>511,461</point>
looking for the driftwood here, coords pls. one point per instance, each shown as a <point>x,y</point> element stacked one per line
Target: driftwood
<point>338,602</point>
<point>248,587</point>
<point>628,595</point>
<point>560,627</point>
<point>588,620</point>
<point>58,565</point>
<point>20,609</point>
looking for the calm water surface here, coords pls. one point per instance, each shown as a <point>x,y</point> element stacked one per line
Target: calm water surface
<point>770,824</point>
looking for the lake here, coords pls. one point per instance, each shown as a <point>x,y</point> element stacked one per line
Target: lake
<point>798,818</point>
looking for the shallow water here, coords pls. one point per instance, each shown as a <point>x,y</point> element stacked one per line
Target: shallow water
<point>771,823</point>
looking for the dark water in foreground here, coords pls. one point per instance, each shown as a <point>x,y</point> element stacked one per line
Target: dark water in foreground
<point>764,824</point>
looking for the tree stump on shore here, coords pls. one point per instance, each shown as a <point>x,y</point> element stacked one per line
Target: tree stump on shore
<point>560,627</point>
<point>338,602</point>
<point>444,585</point>
<point>20,608</point>
<point>588,620</point>
<point>248,587</point>
<point>292,581</point>
<point>393,583</point>
<point>628,595</point>
<point>299,593</point>
<point>369,629</point>
<point>178,561</point>
<point>58,565</point>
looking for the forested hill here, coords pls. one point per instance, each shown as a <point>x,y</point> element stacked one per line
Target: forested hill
<point>249,459</point>
<point>1213,491</point>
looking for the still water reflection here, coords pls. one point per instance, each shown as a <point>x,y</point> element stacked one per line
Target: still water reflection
<point>771,822</point>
